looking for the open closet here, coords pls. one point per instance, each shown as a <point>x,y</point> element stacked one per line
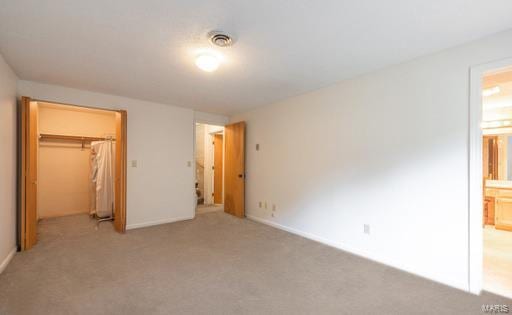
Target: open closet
<point>73,162</point>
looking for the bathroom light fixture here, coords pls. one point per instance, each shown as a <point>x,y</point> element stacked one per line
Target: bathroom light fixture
<point>207,62</point>
<point>491,91</point>
<point>493,124</point>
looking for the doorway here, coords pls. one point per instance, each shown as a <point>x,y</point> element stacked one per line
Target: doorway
<point>72,169</point>
<point>220,168</point>
<point>490,179</point>
<point>497,181</point>
<point>209,160</point>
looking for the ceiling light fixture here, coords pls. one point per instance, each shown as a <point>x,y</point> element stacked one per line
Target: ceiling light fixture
<point>207,62</point>
<point>491,91</point>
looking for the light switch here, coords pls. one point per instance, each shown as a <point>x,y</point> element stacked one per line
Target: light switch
<point>134,163</point>
<point>189,164</point>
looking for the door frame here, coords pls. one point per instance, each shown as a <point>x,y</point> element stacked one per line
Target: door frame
<point>475,172</point>
<point>27,174</point>
<point>202,121</point>
<point>215,182</point>
<point>121,167</point>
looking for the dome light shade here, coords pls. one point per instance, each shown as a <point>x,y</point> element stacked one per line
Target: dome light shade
<point>207,62</point>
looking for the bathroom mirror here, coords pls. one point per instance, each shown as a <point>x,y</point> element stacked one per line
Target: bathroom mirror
<point>498,157</point>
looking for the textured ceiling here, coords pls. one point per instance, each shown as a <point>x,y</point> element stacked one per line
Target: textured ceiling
<point>145,49</point>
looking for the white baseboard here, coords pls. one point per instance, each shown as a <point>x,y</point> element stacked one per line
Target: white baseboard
<point>351,250</point>
<point>157,222</point>
<point>7,259</point>
<point>312,237</point>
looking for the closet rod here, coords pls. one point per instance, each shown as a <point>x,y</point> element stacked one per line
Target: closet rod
<point>46,136</point>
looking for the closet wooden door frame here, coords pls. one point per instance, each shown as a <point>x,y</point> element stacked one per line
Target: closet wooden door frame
<point>27,181</point>
<point>120,177</point>
<point>27,170</point>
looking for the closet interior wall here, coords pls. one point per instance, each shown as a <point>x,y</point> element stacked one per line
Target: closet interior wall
<point>64,187</point>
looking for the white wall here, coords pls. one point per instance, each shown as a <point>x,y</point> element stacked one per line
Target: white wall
<point>389,149</point>
<point>160,138</point>
<point>7,163</point>
<point>64,185</point>
<point>211,119</point>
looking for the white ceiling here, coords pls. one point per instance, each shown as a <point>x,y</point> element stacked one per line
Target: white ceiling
<point>145,49</point>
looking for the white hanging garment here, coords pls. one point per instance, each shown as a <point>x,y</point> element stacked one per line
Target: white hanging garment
<point>104,177</point>
<point>93,167</point>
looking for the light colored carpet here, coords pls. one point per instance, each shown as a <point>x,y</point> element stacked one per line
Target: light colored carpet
<point>200,209</point>
<point>214,264</point>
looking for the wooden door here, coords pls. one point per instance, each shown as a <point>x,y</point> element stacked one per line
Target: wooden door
<point>218,148</point>
<point>234,169</point>
<point>120,172</point>
<point>503,219</point>
<point>28,173</point>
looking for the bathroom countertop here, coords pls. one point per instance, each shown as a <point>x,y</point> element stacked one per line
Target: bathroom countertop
<point>499,184</point>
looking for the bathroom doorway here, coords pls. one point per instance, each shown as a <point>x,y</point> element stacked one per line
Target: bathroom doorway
<point>490,182</point>
<point>497,181</point>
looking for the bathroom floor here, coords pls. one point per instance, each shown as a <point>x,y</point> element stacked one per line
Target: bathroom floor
<point>497,261</point>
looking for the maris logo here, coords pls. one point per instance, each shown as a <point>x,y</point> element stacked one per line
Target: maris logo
<point>495,309</point>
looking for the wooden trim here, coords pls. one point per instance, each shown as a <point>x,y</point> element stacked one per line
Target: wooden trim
<point>28,174</point>
<point>25,103</point>
<point>120,176</point>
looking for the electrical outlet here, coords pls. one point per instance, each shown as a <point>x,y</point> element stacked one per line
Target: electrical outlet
<point>366,229</point>
<point>273,215</point>
<point>260,204</point>
<point>273,207</point>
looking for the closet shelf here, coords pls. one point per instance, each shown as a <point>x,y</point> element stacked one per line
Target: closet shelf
<point>46,136</point>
